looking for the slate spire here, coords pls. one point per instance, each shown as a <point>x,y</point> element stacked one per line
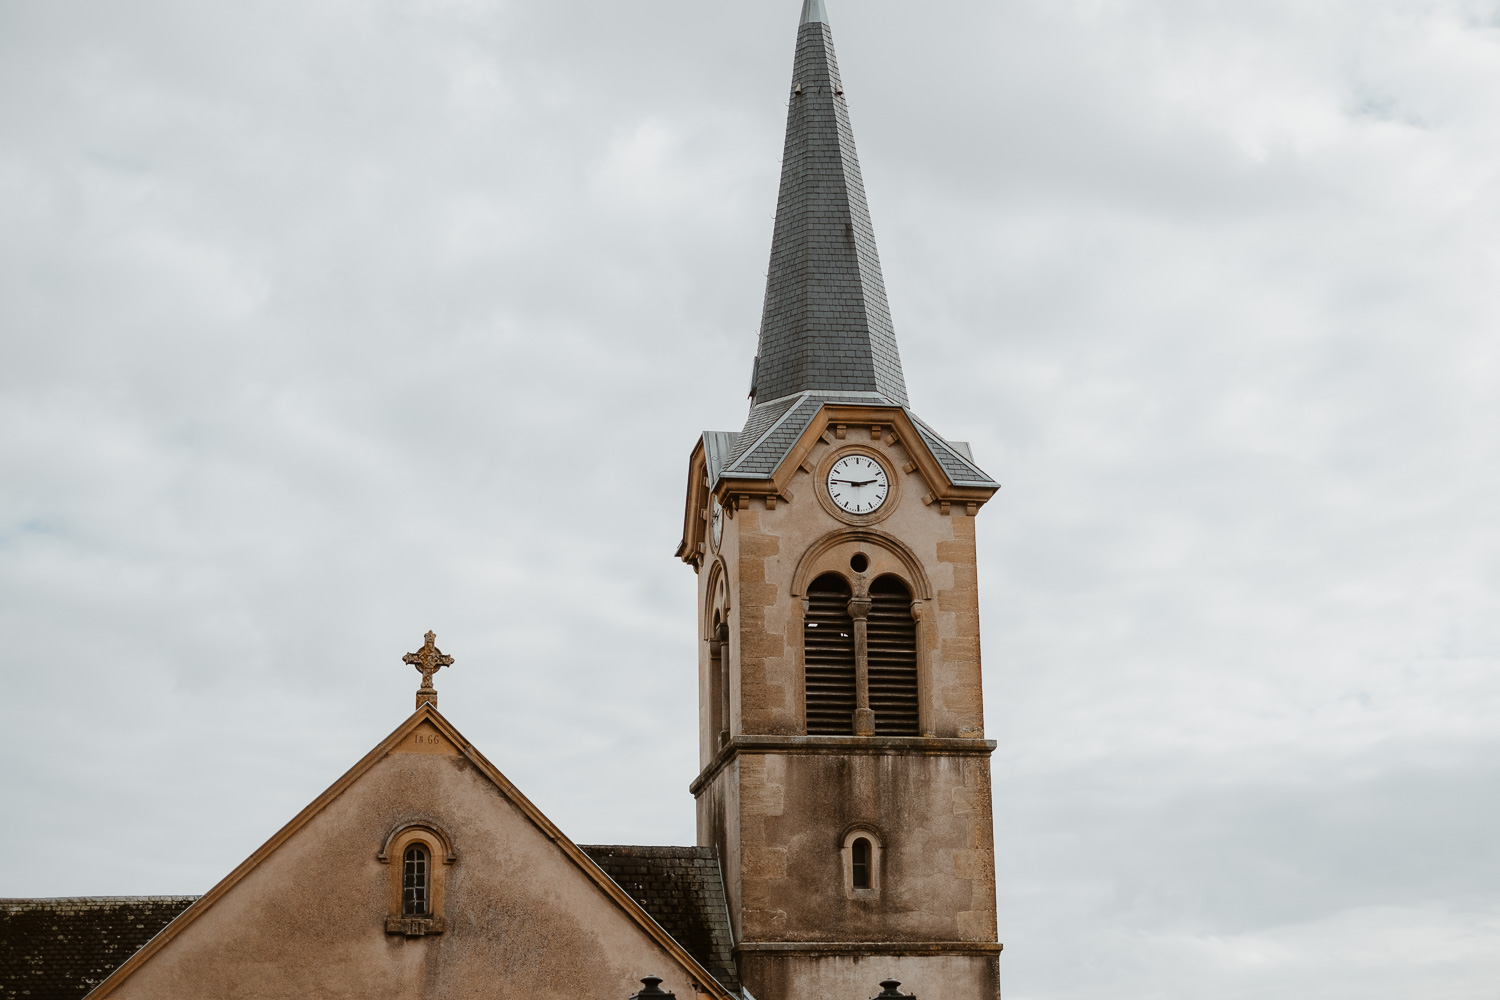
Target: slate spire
<point>826,324</point>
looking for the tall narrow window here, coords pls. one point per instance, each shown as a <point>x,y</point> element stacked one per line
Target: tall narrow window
<point>828,657</point>
<point>859,857</point>
<point>861,860</point>
<point>893,659</point>
<point>718,683</point>
<point>418,856</point>
<point>715,684</point>
<point>414,884</point>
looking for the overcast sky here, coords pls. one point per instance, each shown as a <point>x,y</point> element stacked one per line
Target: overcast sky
<point>326,322</point>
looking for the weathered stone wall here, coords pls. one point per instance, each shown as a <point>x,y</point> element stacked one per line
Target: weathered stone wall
<point>931,812</point>
<point>849,977</point>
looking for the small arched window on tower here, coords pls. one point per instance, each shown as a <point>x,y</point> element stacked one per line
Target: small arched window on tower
<point>861,857</point>
<point>828,657</point>
<point>860,860</point>
<point>893,659</point>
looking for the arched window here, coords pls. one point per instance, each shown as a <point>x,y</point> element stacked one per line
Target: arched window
<point>418,856</point>
<point>415,885</point>
<point>718,683</point>
<point>859,860</point>
<point>861,857</point>
<point>828,657</point>
<point>893,659</point>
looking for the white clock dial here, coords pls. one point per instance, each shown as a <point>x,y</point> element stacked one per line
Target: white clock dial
<point>858,484</point>
<point>716,520</point>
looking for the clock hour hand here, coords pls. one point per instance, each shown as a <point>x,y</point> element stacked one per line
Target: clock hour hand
<point>853,482</point>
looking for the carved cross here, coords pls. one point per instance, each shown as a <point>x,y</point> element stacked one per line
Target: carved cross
<point>429,660</point>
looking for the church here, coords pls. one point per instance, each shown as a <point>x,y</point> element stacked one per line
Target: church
<point>844,822</point>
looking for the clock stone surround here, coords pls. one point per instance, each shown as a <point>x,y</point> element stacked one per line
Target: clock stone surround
<point>823,466</point>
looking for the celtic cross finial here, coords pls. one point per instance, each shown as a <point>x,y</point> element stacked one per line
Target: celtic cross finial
<point>429,660</point>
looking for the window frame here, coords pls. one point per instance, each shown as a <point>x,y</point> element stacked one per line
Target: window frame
<point>416,899</point>
<point>887,556</point>
<point>882,712</point>
<point>846,858</point>
<point>847,593</point>
<point>716,683</point>
<point>861,852</point>
<point>440,855</point>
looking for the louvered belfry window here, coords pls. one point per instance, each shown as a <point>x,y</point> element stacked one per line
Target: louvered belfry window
<point>893,659</point>
<point>414,883</point>
<point>828,660</point>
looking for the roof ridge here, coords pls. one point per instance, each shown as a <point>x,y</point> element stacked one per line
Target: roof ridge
<point>925,426</point>
<point>792,407</point>
<point>8,900</point>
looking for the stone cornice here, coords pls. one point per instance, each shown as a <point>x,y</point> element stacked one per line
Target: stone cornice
<point>870,947</point>
<point>885,746</point>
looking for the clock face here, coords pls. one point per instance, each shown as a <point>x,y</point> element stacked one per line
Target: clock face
<point>716,520</point>
<point>858,484</point>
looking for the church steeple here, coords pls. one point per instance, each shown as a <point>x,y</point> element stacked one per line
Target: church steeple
<point>826,325</point>
<point>845,774</point>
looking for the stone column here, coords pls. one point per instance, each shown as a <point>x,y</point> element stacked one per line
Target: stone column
<point>864,716</point>
<point>719,656</point>
<point>925,693</point>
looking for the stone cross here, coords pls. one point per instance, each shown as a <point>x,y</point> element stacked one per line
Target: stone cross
<point>429,660</point>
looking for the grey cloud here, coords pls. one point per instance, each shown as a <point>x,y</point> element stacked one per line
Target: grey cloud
<point>325,324</point>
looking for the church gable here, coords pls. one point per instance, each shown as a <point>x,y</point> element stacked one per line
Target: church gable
<point>511,906</point>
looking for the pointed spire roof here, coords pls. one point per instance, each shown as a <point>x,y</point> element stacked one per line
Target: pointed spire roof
<point>826,325</point>
<point>826,340</point>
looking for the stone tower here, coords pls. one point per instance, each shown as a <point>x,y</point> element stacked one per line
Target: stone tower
<point>845,775</point>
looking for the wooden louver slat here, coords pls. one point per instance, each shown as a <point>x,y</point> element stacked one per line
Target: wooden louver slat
<point>828,660</point>
<point>893,659</point>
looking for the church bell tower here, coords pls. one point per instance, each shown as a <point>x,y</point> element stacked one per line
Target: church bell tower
<point>845,779</point>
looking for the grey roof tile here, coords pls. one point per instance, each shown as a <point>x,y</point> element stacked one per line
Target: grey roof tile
<point>826,324</point>
<point>957,464</point>
<point>770,434</point>
<point>763,416</point>
<point>718,448</point>
<point>683,890</point>
<point>826,333</point>
<point>59,949</point>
